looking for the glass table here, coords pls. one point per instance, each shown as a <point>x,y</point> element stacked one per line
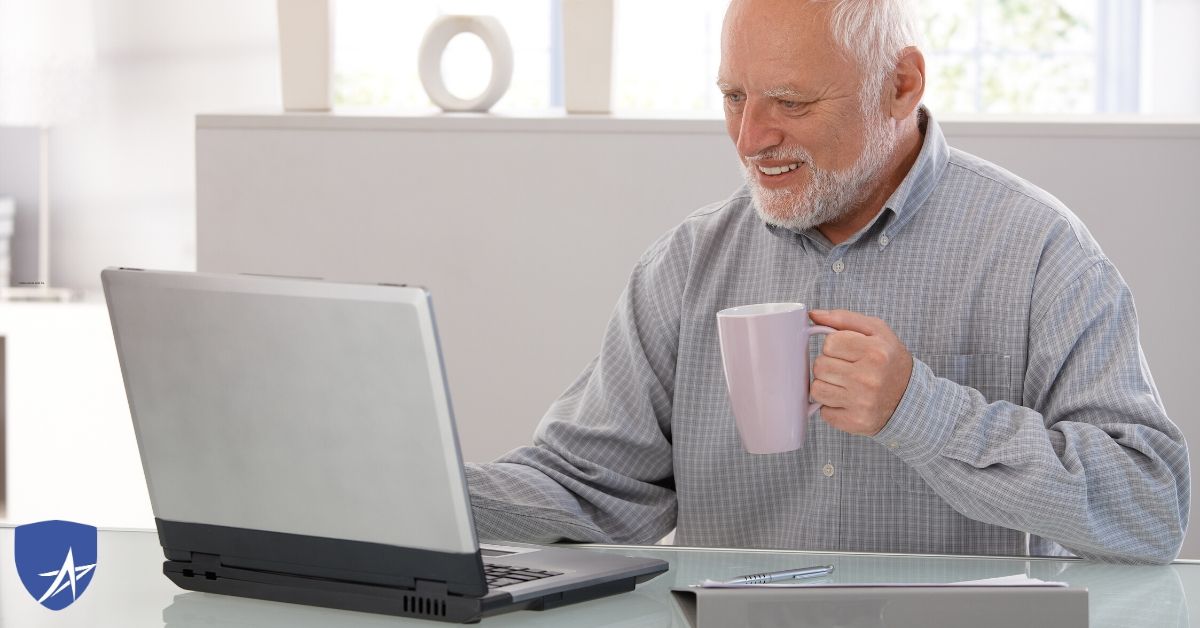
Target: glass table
<point>129,590</point>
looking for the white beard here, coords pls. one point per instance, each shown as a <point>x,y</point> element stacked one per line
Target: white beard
<point>829,194</point>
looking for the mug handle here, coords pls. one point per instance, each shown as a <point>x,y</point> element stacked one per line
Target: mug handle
<point>808,334</point>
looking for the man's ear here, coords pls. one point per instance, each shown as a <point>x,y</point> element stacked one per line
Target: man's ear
<point>908,83</point>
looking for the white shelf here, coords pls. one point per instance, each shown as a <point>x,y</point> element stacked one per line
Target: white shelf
<point>1097,126</point>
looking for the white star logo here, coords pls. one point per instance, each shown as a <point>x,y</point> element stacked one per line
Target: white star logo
<point>65,577</point>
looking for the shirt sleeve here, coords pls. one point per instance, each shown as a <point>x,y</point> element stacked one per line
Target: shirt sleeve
<point>1090,459</point>
<point>600,468</point>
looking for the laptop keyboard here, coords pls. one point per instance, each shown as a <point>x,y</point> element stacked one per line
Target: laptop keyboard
<point>504,575</point>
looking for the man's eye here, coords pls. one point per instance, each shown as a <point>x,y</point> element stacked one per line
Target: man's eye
<point>790,104</point>
<point>734,98</point>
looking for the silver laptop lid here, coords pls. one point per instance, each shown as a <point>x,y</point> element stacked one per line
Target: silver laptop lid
<point>291,405</point>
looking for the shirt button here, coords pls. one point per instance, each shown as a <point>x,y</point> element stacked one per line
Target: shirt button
<point>827,470</point>
<point>893,445</point>
<point>883,240</point>
<point>839,266</point>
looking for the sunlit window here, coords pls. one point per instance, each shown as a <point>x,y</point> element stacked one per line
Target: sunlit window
<point>1031,56</point>
<point>666,55</point>
<point>983,56</point>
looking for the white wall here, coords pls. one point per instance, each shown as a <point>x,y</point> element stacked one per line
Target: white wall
<point>118,82</point>
<point>525,229</point>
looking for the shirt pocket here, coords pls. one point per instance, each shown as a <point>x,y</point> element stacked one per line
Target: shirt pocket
<point>990,374</point>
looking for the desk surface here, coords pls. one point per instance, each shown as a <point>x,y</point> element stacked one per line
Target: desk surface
<point>129,589</point>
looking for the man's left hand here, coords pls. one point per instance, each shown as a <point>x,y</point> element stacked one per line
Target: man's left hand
<point>862,372</point>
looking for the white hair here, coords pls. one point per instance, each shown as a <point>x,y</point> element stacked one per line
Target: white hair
<point>873,33</point>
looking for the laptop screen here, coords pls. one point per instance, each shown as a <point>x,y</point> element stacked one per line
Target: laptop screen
<point>289,405</point>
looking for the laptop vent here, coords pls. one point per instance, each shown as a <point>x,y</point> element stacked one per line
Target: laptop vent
<point>418,605</point>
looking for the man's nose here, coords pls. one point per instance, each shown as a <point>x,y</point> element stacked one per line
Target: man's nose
<point>759,129</point>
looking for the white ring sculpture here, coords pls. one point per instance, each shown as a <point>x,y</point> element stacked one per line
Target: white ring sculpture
<point>433,46</point>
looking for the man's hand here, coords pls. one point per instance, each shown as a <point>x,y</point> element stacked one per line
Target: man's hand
<point>862,372</point>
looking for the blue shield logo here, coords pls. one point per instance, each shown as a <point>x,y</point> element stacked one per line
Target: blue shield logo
<point>56,561</point>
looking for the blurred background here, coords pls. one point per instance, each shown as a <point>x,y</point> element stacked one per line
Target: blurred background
<point>119,81</point>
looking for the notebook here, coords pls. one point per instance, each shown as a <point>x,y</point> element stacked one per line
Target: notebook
<point>299,445</point>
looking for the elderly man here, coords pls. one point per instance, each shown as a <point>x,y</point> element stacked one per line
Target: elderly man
<point>986,392</point>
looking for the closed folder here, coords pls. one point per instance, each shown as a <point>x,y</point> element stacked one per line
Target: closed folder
<point>880,607</point>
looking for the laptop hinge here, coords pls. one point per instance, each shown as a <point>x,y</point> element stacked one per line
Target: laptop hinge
<point>202,565</point>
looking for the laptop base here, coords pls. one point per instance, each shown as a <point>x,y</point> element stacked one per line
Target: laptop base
<point>429,600</point>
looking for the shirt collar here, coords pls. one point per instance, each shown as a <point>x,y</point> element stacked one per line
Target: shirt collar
<point>921,180</point>
<point>912,192</point>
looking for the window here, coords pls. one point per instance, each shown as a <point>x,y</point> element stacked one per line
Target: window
<point>668,69</point>
<point>1031,56</point>
<point>983,56</point>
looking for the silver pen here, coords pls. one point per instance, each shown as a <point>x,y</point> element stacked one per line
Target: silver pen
<point>787,574</point>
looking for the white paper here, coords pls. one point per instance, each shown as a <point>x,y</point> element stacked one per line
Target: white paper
<point>1015,580</point>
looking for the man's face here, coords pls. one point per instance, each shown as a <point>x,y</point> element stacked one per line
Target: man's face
<point>793,110</point>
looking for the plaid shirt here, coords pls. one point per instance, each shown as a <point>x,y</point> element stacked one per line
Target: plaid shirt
<point>1030,424</point>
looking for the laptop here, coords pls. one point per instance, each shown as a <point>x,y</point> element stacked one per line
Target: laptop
<point>299,446</point>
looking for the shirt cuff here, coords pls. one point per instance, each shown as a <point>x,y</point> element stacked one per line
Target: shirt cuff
<point>924,421</point>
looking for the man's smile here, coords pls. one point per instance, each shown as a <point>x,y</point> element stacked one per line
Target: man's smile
<point>775,173</point>
<point>772,171</point>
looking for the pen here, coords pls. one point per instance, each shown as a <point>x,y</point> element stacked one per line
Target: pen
<point>787,574</point>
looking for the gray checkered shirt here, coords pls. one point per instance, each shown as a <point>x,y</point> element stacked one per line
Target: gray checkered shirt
<point>1030,424</point>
